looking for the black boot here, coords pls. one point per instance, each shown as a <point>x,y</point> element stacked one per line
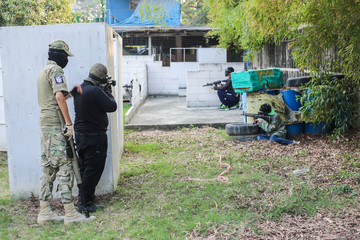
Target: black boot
<point>90,207</point>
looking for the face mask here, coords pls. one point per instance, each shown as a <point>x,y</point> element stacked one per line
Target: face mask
<point>61,58</point>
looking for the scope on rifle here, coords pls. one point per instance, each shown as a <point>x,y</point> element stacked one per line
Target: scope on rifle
<point>110,81</point>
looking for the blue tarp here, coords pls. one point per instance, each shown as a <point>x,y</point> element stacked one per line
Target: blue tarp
<point>171,15</point>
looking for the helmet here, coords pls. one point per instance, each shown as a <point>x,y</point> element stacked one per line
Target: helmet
<point>98,72</point>
<point>265,108</point>
<point>60,45</point>
<point>228,71</point>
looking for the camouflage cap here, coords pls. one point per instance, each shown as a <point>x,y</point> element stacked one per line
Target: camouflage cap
<point>99,71</point>
<point>60,45</point>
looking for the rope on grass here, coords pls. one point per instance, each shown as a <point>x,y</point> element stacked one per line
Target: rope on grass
<point>220,177</point>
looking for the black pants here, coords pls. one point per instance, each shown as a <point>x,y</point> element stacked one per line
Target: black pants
<point>92,150</point>
<point>228,99</point>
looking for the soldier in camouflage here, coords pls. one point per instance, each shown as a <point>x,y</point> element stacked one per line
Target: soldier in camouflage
<point>52,95</point>
<point>275,130</point>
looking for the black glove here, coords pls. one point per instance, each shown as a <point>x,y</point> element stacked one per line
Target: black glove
<point>107,88</point>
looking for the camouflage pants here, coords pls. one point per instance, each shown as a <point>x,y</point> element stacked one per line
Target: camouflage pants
<point>56,165</point>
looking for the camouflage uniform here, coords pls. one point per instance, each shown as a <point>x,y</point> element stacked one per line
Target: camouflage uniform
<point>55,163</point>
<point>275,127</point>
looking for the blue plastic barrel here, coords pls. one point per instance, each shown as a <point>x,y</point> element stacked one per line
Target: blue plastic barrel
<point>295,129</point>
<point>290,99</point>
<point>319,128</point>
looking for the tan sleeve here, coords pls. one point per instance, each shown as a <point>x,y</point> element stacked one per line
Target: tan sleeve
<point>58,80</point>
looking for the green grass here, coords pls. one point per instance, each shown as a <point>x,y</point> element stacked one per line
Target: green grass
<point>157,197</point>
<point>4,177</point>
<point>126,107</point>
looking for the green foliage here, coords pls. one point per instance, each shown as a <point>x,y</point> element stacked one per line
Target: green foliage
<point>89,11</point>
<point>35,12</point>
<point>342,190</point>
<point>323,36</point>
<point>194,12</point>
<point>153,11</point>
<point>331,100</point>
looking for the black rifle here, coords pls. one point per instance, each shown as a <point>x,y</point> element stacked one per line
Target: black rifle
<point>215,83</point>
<point>259,115</point>
<point>109,82</point>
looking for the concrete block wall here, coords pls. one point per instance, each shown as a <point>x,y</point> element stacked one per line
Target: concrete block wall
<point>160,81</point>
<point>211,55</point>
<point>198,96</point>
<point>131,65</point>
<point>139,91</point>
<point>179,70</point>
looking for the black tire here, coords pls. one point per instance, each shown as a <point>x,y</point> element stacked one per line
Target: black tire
<point>297,82</point>
<point>241,129</point>
<point>244,138</point>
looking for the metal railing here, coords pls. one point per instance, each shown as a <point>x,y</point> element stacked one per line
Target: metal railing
<point>188,55</point>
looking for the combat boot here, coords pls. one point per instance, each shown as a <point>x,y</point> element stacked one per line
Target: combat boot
<point>46,214</point>
<point>72,216</point>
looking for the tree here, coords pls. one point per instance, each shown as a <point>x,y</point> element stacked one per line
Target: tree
<point>324,38</point>
<point>35,12</point>
<point>194,12</point>
<point>89,10</point>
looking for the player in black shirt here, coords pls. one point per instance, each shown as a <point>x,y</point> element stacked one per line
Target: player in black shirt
<point>226,93</point>
<point>91,122</point>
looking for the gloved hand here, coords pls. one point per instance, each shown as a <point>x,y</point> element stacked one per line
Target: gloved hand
<point>107,88</point>
<point>69,130</point>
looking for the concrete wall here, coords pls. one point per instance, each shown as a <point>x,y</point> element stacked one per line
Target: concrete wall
<point>23,54</point>
<point>211,55</point>
<point>139,91</point>
<point>198,96</point>
<point>3,146</point>
<point>179,71</point>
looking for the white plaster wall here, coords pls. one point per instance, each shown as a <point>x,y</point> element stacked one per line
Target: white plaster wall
<point>211,55</point>
<point>23,54</point>
<point>198,96</point>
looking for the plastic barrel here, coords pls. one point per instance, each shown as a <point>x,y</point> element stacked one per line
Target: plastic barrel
<point>295,129</point>
<point>290,99</point>
<point>319,128</point>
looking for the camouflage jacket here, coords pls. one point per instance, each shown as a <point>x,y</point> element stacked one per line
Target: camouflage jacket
<point>275,127</point>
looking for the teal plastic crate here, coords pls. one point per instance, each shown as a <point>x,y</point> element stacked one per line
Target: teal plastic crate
<point>256,80</point>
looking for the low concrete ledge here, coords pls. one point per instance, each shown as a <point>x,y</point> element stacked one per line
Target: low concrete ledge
<point>132,111</point>
<point>168,127</point>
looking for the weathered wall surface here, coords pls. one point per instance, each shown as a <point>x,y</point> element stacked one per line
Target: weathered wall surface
<point>23,54</point>
<point>273,56</point>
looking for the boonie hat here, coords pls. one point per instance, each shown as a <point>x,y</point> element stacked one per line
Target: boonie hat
<point>60,45</point>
